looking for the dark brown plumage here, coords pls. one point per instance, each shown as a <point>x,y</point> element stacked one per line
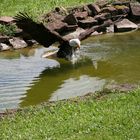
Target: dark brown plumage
<point>42,34</point>
<point>46,37</point>
<point>37,30</point>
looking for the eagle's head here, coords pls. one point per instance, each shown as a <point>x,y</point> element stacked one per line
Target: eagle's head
<point>68,49</point>
<point>75,43</point>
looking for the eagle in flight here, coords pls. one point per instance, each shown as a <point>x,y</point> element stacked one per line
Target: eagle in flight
<point>46,37</point>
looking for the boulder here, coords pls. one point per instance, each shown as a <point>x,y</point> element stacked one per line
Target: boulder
<point>70,19</point>
<point>52,16</point>
<point>61,27</point>
<point>4,47</point>
<point>88,10</point>
<point>4,39</point>
<point>57,26</point>
<point>102,3</point>
<point>95,9</point>
<point>125,25</point>
<point>122,9</point>
<point>135,10</point>
<point>81,15</point>
<point>88,22</point>
<point>61,10</point>
<point>96,33</point>
<point>18,43</point>
<point>102,17</point>
<point>31,42</point>
<point>121,3</point>
<point>71,27</point>
<point>111,9</point>
<point>6,20</point>
<point>72,10</point>
<point>74,34</point>
<point>138,23</point>
<point>110,29</point>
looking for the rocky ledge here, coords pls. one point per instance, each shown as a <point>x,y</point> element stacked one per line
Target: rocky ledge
<point>71,22</point>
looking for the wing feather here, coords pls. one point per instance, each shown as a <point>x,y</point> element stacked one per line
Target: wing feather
<point>37,30</point>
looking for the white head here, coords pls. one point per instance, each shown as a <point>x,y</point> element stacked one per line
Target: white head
<point>75,43</point>
<point>75,46</point>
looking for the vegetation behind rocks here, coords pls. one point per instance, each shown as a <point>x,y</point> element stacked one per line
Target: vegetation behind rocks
<point>35,7</point>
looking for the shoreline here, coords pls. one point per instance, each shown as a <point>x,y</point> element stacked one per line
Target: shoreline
<point>123,88</point>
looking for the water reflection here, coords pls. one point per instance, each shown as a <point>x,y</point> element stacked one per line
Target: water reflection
<point>15,54</point>
<point>64,82</point>
<point>17,73</point>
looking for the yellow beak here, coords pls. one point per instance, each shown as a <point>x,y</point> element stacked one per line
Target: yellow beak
<point>78,46</point>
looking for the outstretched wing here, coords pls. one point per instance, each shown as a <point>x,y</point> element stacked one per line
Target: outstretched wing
<point>98,28</point>
<point>37,30</point>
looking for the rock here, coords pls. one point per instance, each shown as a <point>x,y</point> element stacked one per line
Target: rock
<point>135,10</point>
<point>122,9</point>
<point>88,10</point>
<point>94,8</point>
<point>4,39</point>
<point>61,10</point>
<point>112,10</point>
<point>119,17</point>
<point>124,25</point>
<point>52,16</point>
<point>138,23</point>
<point>88,22</point>
<point>57,26</point>
<point>102,3</point>
<point>6,20</point>
<point>110,29</point>
<point>81,15</point>
<point>70,19</point>
<point>102,17</point>
<point>4,47</point>
<point>71,27</point>
<point>18,43</point>
<point>121,3</point>
<point>31,42</point>
<point>74,34</point>
<point>96,33</point>
<point>61,27</point>
<point>72,10</point>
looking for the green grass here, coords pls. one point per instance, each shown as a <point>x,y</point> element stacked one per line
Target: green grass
<point>115,116</point>
<point>8,30</point>
<point>35,7</point>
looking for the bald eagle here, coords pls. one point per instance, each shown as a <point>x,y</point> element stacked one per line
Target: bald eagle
<point>46,37</point>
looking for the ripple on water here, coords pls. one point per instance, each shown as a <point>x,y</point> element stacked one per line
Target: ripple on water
<point>26,78</point>
<point>18,75</point>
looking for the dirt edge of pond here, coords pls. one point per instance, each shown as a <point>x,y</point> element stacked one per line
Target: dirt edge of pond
<point>114,89</point>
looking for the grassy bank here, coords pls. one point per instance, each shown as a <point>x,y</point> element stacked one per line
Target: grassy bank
<point>37,7</point>
<point>113,116</point>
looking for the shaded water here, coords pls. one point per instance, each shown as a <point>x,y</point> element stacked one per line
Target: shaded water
<point>27,79</point>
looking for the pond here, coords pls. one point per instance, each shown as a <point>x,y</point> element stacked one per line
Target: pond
<point>28,79</point>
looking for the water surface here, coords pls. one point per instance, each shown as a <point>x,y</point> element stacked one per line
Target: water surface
<point>27,79</point>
